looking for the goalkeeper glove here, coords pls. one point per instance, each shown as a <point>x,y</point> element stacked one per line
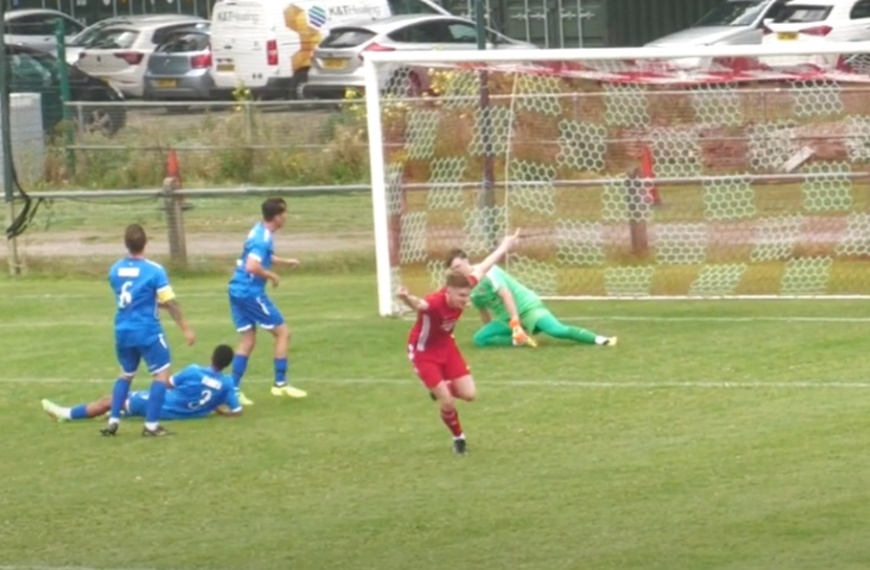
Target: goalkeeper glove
<point>520,337</point>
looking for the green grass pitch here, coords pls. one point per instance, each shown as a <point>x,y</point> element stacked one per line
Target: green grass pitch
<point>719,436</point>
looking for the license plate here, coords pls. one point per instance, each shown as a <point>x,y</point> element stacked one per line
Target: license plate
<point>166,83</point>
<point>226,67</point>
<point>788,36</point>
<point>334,63</point>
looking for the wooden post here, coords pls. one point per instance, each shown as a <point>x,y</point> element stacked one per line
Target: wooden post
<point>173,204</point>
<point>638,207</point>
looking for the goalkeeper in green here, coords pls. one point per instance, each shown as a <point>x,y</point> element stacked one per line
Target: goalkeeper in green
<point>512,313</point>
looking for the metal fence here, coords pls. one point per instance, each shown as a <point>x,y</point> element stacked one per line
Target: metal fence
<point>226,156</point>
<point>287,143</point>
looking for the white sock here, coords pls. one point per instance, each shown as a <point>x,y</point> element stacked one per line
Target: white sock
<point>65,413</point>
<point>114,420</point>
<point>599,340</point>
<point>151,426</point>
<point>460,436</point>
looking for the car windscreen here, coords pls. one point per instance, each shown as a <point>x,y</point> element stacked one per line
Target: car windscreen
<point>739,13</point>
<point>87,35</point>
<point>114,38</point>
<point>347,37</point>
<point>803,14</point>
<point>180,43</point>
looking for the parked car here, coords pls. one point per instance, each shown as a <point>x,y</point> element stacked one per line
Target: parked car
<point>818,21</point>
<point>35,71</point>
<point>119,53</point>
<point>337,63</point>
<point>78,42</point>
<point>180,68</point>
<point>731,22</point>
<point>35,28</point>
<point>267,45</point>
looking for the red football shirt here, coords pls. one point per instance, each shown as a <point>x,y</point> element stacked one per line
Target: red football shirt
<point>434,327</point>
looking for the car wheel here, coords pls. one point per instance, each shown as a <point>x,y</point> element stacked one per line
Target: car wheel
<point>102,120</point>
<point>297,88</point>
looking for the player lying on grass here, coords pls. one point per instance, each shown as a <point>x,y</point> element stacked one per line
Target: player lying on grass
<point>432,348</point>
<point>512,313</point>
<point>196,392</point>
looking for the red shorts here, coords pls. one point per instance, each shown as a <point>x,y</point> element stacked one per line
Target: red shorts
<point>434,367</point>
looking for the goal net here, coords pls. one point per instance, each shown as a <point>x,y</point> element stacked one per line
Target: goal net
<point>739,172</point>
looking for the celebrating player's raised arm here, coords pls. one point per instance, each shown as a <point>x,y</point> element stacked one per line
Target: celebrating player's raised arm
<point>414,303</point>
<point>479,270</point>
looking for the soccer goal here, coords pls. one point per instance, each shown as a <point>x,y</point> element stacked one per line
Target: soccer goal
<point>715,172</point>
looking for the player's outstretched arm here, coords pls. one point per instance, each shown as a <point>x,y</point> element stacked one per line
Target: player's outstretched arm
<point>286,261</point>
<point>224,410</point>
<point>174,309</point>
<point>507,244</point>
<point>414,303</point>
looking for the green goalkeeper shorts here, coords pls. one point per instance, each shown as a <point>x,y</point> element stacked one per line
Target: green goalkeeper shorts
<point>531,317</point>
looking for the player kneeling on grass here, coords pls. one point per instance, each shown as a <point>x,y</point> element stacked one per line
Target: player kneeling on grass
<point>512,313</point>
<point>432,348</point>
<point>196,392</point>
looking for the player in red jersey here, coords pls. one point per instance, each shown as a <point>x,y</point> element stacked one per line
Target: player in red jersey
<point>432,348</point>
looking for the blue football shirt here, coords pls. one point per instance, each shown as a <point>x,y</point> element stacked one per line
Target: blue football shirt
<point>197,392</point>
<point>259,246</point>
<point>139,285</point>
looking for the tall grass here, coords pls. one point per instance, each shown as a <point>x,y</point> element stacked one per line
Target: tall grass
<point>242,146</point>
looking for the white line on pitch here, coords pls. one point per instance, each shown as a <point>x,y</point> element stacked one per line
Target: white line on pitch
<point>613,385</point>
<point>44,567</point>
<point>705,319</point>
<point>351,318</point>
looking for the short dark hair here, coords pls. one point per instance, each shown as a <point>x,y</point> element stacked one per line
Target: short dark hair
<point>135,239</point>
<point>272,208</point>
<point>453,254</point>
<point>458,280</point>
<point>222,356</point>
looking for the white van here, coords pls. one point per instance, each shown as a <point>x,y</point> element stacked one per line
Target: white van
<point>266,45</point>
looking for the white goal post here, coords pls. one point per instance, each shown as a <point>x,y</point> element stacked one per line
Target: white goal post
<point>636,173</point>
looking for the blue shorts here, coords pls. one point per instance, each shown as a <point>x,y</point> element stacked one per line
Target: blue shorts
<point>155,354</point>
<point>249,312</point>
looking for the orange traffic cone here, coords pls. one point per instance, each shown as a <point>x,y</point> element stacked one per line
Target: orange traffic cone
<point>647,174</point>
<point>173,169</point>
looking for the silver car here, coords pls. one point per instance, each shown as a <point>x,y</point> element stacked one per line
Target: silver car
<point>731,22</point>
<point>180,68</point>
<point>81,40</point>
<point>36,28</point>
<point>337,62</point>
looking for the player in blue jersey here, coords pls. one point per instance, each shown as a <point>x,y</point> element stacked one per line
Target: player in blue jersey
<point>251,307</point>
<point>197,391</point>
<point>141,287</point>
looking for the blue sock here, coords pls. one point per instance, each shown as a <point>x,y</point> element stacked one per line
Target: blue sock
<point>119,397</point>
<point>156,395</point>
<point>80,412</point>
<point>280,371</point>
<point>240,364</point>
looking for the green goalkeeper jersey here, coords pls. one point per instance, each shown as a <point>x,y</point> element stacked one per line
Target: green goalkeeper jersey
<point>486,296</point>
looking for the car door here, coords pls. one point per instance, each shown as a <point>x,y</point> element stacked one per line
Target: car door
<point>422,36</point>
